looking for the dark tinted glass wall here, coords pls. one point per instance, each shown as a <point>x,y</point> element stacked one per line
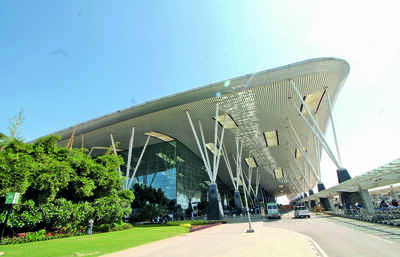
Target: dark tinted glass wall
<point>173,168</point>
<point>157,167</point>
<point>192,178</point>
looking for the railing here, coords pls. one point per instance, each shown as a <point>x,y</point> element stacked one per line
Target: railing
<point>378,215</point>
<point>387,213</point>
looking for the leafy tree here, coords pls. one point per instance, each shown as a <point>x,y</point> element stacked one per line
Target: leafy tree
<point>144,194</point>
<point>202,206</point>
<point>14,130</point>
<point>61,188</point>
<point>151,201</point>
<point>15,169</point>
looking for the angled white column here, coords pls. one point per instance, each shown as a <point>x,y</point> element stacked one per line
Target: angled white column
<point>333,128</point>
<point>219,148</point>
<point>292,181</point>
<point>318,137</point>
<point>242,177</point>
<point>299,169</point>
<point>128,165</point>
<point>138,163</point>
<point>215,139</point>
<point>239,151</point>
<point>317,155</point>
<point>208,168</point>
<point>305,154</point>
<point>205,149</point>
<point>313,120</point>
<point>250,229</point>
<point>249,186</point>
<point>211,170</point>
<point>115,152</point>
<point>228,166</point>
<point>258,177</point>
<point>305,176</point>
<point>250,176</point>
<point>315,128</point>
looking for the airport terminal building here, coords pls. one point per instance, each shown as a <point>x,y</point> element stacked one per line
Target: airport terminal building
<point>259,134</point>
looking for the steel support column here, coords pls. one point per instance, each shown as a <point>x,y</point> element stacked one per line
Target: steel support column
<point>115,152</point>
<point>138,163</point>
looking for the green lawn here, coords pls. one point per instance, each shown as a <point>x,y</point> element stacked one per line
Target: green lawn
<point>93,245</point>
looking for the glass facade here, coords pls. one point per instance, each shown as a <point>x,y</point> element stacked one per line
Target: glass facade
<point>173,168</point>
<point>157,168</point>
<point>192,178</point>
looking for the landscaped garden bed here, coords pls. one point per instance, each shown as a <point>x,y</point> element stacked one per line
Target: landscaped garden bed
<point>195,228</point>
<point>93,245</point>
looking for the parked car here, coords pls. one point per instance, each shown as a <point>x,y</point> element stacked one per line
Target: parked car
<point>301,211</point>
<point>273,211</point>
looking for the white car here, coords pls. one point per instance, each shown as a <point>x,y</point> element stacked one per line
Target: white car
<point>301,211</point>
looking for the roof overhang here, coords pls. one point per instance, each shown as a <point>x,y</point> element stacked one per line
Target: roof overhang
<point>257,103</point>
<point>382,176</point>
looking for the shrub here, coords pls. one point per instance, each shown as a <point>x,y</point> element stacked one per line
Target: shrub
<point>61,188</point>
<point>195,222</point>
<point>36,236</point>
<point>113,227</point>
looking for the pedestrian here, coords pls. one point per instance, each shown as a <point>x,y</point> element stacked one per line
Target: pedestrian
<point>383,204</point>
<point>90,229</point>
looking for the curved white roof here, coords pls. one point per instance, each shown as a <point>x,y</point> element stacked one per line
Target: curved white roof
<point>257,102</point>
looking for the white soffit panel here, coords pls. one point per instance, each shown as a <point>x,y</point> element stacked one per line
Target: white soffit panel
<point>256,104</point>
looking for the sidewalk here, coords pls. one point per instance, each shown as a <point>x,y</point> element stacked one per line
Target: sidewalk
<point>228,240</point>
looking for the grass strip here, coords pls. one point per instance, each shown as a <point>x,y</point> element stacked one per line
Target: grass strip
<point>94,245</point>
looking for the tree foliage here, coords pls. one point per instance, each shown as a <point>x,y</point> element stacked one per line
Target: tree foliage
<point>151,201</point>
<point>61,188</point>
<point>145,194</point>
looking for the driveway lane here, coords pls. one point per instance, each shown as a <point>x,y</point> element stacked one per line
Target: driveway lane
<point>338,239</point>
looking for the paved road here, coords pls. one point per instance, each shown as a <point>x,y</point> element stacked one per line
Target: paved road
<point>318,236</point>
<point>340,237</point>
<point>229,240</point>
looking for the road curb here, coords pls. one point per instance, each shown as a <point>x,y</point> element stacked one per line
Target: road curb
<point>319,252</point>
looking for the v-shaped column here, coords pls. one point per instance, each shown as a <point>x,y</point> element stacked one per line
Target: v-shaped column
<point>214,205</point>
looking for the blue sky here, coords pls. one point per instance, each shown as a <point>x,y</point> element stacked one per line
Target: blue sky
<point>66,62</point>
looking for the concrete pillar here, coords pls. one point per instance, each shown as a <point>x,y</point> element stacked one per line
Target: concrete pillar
<point>214,203</point>
<point>366,200</point>
<point>307,203</point>
<point>346,197</point>
<point>238,202</point>
<point>326,203</point>
<point>349,198</point>
<point>312,202</point>
<point>331,205</point>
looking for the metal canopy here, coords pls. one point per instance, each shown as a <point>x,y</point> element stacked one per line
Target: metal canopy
<point>257,103</point>
<point>382,176</point>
